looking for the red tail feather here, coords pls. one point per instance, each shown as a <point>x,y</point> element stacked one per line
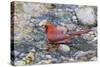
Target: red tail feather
<point>79,32</point>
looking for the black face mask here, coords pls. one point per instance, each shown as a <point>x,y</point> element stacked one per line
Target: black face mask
<point>46,29</point>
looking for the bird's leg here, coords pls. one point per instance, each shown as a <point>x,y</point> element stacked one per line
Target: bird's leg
<point>48,46</point>
<point>55,45</point>
<point>52,47</point>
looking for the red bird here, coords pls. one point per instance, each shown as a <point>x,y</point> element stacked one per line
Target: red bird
<point>57,36</point>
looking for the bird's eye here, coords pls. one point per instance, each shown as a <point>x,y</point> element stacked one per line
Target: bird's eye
<point>43,26</point>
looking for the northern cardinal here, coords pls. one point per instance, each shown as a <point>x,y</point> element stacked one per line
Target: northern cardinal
<point>57,35</point>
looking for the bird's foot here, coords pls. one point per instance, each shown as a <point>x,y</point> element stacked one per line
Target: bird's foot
<point>52,47</point>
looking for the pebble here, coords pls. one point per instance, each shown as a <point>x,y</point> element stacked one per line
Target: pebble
<point>71,60</point>
<point>48,56</point>
<point>22,55</point>
<point>64,48</point>
<point>16,53</point>
<point>44,62</point>
<point>74,17</point>
<point>71,26</point>
<point>88,37</point>
<point>54,59</point>
<point>78,53</point>
<point>33,50</point>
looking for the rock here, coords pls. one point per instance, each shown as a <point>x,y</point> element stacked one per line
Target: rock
<point>62,57</point>
<point>71,60</point>
<point>70,10</point>
<point>88,36</point>
<point>44,62</point>
<point>54,60</point>
<point>22,55</point>
<point>64,48</point>
<point>16,53</point>
<point>93,59</point>
<point>94,29</point>
<point>74,17</point>
<point>30,8</point>
<point>67,59</point>
<point>86,15</point>
<point>84,56</point>
<point>16,59</point>
<point>78,53</point>
<point>71,26</point>
<point>39,58</point>
<point>33,50</point>
<point>95,39</point>
<point>55,54</point>
<point>48,56</point>
<point>18,63</point>
<point>59,10</point>
<point>75,21</point>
